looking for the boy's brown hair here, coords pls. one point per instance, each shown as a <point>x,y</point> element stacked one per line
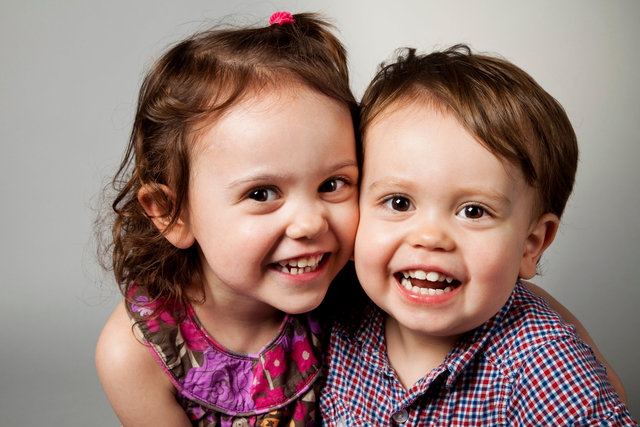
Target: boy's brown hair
<point>497,102</point>
<point>188,87</point>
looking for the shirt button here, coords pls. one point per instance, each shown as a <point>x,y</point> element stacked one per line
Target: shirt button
<point>401,416</point>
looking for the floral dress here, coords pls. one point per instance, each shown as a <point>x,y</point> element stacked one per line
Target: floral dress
<point>218,387</point>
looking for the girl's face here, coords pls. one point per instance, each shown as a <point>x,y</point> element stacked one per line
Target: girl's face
<point>272,200</point>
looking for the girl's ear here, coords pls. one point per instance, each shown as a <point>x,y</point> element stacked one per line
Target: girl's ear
<point>541,234</point>
<point>179,234</point>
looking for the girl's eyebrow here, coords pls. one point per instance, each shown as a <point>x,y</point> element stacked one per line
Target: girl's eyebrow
<point>256,178</point>
<point>265,177</point>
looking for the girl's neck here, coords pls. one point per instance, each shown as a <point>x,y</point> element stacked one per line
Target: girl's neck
<point>412,354</point>
<point>240,325</point>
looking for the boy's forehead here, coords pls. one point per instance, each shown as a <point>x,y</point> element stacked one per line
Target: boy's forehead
<point>420,103</point>
<point>419,121</point>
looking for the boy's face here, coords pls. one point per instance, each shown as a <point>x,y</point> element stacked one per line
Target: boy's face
<point>445,226</point>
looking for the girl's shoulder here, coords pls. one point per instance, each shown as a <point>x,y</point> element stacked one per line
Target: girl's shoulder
<point>127,371</point>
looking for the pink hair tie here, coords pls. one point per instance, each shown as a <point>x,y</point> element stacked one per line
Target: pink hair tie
<point>282,18</point>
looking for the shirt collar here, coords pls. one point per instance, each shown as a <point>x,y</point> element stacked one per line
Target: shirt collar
<point>470,344</point>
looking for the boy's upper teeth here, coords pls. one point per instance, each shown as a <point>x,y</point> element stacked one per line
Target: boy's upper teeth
<point>431,276</point>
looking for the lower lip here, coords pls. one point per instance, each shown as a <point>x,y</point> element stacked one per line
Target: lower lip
<point>427,299</point>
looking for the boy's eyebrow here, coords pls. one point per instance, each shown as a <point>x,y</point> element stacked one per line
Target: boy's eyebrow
<point>390,182</point>
<point>263,177</point>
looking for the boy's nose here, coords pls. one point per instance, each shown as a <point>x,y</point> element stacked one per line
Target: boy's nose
<point>431,235</point>
<point>308,222</point>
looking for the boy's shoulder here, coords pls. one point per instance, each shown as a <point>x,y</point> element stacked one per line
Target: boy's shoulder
<point>524,327</point>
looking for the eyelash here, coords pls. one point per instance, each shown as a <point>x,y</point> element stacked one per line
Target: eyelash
<point>345,181</point>
<point>408,205</point>
<point>254,191</point>
<point>388,202</point>
<point>483,211</point>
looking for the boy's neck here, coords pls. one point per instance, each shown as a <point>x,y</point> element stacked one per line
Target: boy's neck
<point>412,354</point>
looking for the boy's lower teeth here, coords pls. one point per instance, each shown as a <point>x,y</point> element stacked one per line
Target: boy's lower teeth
<point>406,283</point>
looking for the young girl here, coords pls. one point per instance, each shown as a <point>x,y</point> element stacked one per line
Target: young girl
<point>237,204</point>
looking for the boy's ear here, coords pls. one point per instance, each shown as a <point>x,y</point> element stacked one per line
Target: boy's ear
<point>179,234</point>
<point>541,234</point>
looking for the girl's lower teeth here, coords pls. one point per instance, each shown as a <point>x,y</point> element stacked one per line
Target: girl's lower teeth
<point>424,291</point>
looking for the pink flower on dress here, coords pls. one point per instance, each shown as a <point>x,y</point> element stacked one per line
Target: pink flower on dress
<point>260,384</point>
<point>192,336</point>
<point>275,362</point>
<point>153,323</point>
<point>303,355</point>
<point>300,411</point>
<point>274,396</point>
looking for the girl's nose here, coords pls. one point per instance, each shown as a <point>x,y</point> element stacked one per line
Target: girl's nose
<point>309,222</point>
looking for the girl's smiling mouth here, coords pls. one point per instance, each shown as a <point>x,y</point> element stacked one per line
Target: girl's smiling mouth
<point>295,266</point>
<point>422,282</point>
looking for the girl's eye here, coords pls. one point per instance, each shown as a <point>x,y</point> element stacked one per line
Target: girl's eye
<point>263,195</point>
<point>472,212</point>
<point>399,203</point>
<point>331,185</point>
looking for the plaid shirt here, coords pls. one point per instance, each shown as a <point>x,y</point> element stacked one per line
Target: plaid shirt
<point>522,367</point>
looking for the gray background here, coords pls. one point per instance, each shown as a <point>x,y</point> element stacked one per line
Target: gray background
<point>68,82</point>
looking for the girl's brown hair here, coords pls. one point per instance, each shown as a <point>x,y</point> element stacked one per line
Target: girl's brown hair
<point>497,102</point>
<point>187,88</point>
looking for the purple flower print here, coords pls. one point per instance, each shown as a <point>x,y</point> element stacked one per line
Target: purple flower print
<point>143,306</point>
<point>314,325</point>
<point>275,363</point>
<point>303,355</point>
<point>222,380</point>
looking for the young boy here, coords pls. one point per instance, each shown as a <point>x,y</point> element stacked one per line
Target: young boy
<point>468,165</point>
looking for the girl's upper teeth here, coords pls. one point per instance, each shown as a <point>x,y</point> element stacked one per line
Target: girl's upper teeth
<point>311,261</point>
<point>431,276</point>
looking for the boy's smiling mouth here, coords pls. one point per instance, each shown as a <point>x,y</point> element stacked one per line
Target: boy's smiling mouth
<point>295,266</point>
<point>422,282</point>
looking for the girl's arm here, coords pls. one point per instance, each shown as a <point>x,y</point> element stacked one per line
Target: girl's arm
<point>139,391</point>
<point>568,317</point>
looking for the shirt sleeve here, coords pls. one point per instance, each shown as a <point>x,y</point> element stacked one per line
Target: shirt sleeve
<point>561,383</point>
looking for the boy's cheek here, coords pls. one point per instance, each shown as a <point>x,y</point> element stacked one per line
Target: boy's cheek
<point>374,244</point>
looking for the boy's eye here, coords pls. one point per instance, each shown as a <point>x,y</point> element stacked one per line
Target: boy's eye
<point>472,212</point>
<point>263,194</point>
<point>399,203</point>
<point>331,185</point>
